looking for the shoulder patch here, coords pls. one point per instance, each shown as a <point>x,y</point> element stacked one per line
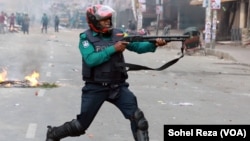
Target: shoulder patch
<point>85,43</point>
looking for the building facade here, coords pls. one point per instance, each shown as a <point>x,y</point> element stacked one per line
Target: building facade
<point>233,19</point>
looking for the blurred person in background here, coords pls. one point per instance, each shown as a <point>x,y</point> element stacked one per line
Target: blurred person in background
<point>26,24</point>
<point>56,23</point>
<point>12,19</point>
<point>44,21</point>
<point>132,29</point>
<point>2,20</point>
<point>166,29</point>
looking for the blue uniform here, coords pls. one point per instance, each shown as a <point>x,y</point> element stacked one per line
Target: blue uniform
<point>94,94</point>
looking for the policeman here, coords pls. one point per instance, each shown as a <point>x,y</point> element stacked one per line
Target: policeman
<point>101,50</point>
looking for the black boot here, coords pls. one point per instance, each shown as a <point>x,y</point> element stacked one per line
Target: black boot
<point>72,128</point>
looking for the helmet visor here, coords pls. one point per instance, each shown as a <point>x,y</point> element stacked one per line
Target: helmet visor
<point>104,12</point>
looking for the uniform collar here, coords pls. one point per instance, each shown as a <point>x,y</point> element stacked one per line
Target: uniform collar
<point>94,33</point>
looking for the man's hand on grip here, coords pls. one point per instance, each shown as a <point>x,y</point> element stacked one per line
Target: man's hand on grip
<point>120,46</point>
<point>160,42</point>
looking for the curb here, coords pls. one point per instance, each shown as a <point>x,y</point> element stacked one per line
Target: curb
<point>219,54</point>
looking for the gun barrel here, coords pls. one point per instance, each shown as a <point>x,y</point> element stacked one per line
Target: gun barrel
<point>169,38</point>
<point>153,38</point>
<point>186,36</point>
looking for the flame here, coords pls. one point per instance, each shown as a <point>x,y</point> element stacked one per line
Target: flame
<point>33,78</point>
<point>3,75</point>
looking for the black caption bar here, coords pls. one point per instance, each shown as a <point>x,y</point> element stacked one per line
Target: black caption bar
<point>214,132</point>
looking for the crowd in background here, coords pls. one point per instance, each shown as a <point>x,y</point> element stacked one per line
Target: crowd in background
<point>14,22</point>
<point>21,22</point>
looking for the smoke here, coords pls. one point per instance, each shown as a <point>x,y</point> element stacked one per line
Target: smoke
<point>33,60</point>
<point>34,8</point>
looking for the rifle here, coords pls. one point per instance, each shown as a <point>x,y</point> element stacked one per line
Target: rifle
<point>138,38</point>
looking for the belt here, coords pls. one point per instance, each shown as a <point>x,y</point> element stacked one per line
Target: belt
<point>104,83</point>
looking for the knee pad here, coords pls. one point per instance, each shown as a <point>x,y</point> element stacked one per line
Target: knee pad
<point>141,133</point>
<point>142,123</point>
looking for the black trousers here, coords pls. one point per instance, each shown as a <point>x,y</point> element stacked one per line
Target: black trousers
<point>94,95</point>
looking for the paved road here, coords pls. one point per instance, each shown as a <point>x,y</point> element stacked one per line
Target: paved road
<point>196,90</point>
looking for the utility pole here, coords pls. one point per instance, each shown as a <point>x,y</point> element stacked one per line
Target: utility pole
<point>139,15</point>
<point>158,12</point>
<point>211,21</point>
<point>215,5</point>
<point>207,4</point>
<point>134,9</point>
<point>214,27</point>
<point>248,15</point>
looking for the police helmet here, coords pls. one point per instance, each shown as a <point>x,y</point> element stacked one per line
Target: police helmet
<point>96,13</point>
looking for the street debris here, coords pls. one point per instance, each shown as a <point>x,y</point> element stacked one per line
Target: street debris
<point>25,84</point>
<point>30,81</point>
<point>161,102</point>
<point>182,104</point>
